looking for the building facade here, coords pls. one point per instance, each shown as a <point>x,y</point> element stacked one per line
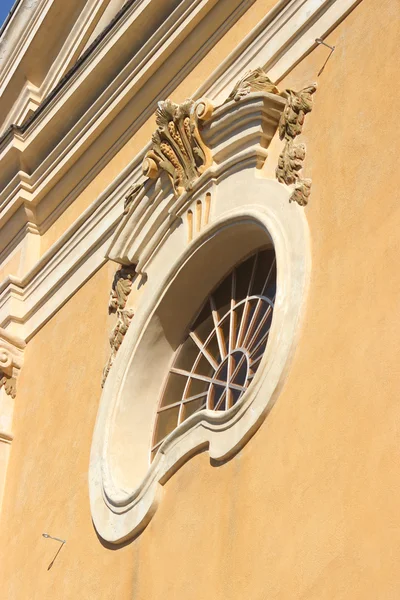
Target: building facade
<point>199,337</point>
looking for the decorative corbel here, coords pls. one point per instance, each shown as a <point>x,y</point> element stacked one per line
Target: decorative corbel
<point>298,104</point>
<point>11,359</point>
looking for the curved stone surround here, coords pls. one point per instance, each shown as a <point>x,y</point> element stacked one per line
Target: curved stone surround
<point>246,212</point>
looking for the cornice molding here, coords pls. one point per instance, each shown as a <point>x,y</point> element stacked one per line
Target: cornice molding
<point>30,189</point>
<point>285,36</point>
<point>18,34</point>
<point>31,96</point>
<point>27,303</point>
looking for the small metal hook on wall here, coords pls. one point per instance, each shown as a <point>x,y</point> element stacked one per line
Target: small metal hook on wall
<point>332,48</point>
<point>62,542</point>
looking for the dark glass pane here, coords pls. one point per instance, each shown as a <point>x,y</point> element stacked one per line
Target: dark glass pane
<point>222,296</point>
<point>216,393</point>
<point>187,355</point>
<point>191,408</point>
<point>213,348</point>
<point>174,389</point>
<point>264,272</point>
<point>204,367</point>
<point>166,422</point>
<point>196,386</point>
<point>204,323</point>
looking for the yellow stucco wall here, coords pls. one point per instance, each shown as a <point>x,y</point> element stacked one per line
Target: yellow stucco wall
<point>309,508</point>
<point>47,490</point>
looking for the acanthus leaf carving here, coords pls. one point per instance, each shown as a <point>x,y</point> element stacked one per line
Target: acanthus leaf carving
<point>177,146</point>
<point>253,81</point>
<point>121,288</point>
<point>291,159</point>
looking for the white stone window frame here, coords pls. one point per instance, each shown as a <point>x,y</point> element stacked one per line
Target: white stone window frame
<point>124,491</point>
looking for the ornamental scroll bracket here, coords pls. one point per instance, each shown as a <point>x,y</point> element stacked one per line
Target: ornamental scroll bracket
<point>11,359</point>
<point>177,146</point>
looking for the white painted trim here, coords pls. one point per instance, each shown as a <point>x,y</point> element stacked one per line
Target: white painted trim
<point>27,303</point>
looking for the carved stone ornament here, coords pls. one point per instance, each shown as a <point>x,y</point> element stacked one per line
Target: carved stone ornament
<point>120,291</point>
<point>11,358</point>
<point>177,146</point>
<point>291,159</point>
<point>253,81</point>
<point>291,122</point>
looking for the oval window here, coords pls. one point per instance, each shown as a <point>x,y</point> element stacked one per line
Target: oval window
<point>219,358</point>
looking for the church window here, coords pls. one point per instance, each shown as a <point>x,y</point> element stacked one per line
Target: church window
<point>223,349</point>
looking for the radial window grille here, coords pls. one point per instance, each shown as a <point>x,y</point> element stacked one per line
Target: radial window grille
<point>223,350</point>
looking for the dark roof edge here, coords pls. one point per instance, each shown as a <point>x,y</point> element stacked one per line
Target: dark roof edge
<point>8,17</point>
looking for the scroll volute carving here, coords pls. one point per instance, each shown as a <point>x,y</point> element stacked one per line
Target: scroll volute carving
<point>11,359</point>
<point>177,146</point>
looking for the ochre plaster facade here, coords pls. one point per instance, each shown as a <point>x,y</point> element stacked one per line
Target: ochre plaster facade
<point>308,509</point>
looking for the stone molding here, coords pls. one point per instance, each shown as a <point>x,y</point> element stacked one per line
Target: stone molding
<point>11,360</point>
<point>124,490</point>
<point>31,95</point>
<point>30,188</point>
<point>18,33</point>
<point>27,303</point>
